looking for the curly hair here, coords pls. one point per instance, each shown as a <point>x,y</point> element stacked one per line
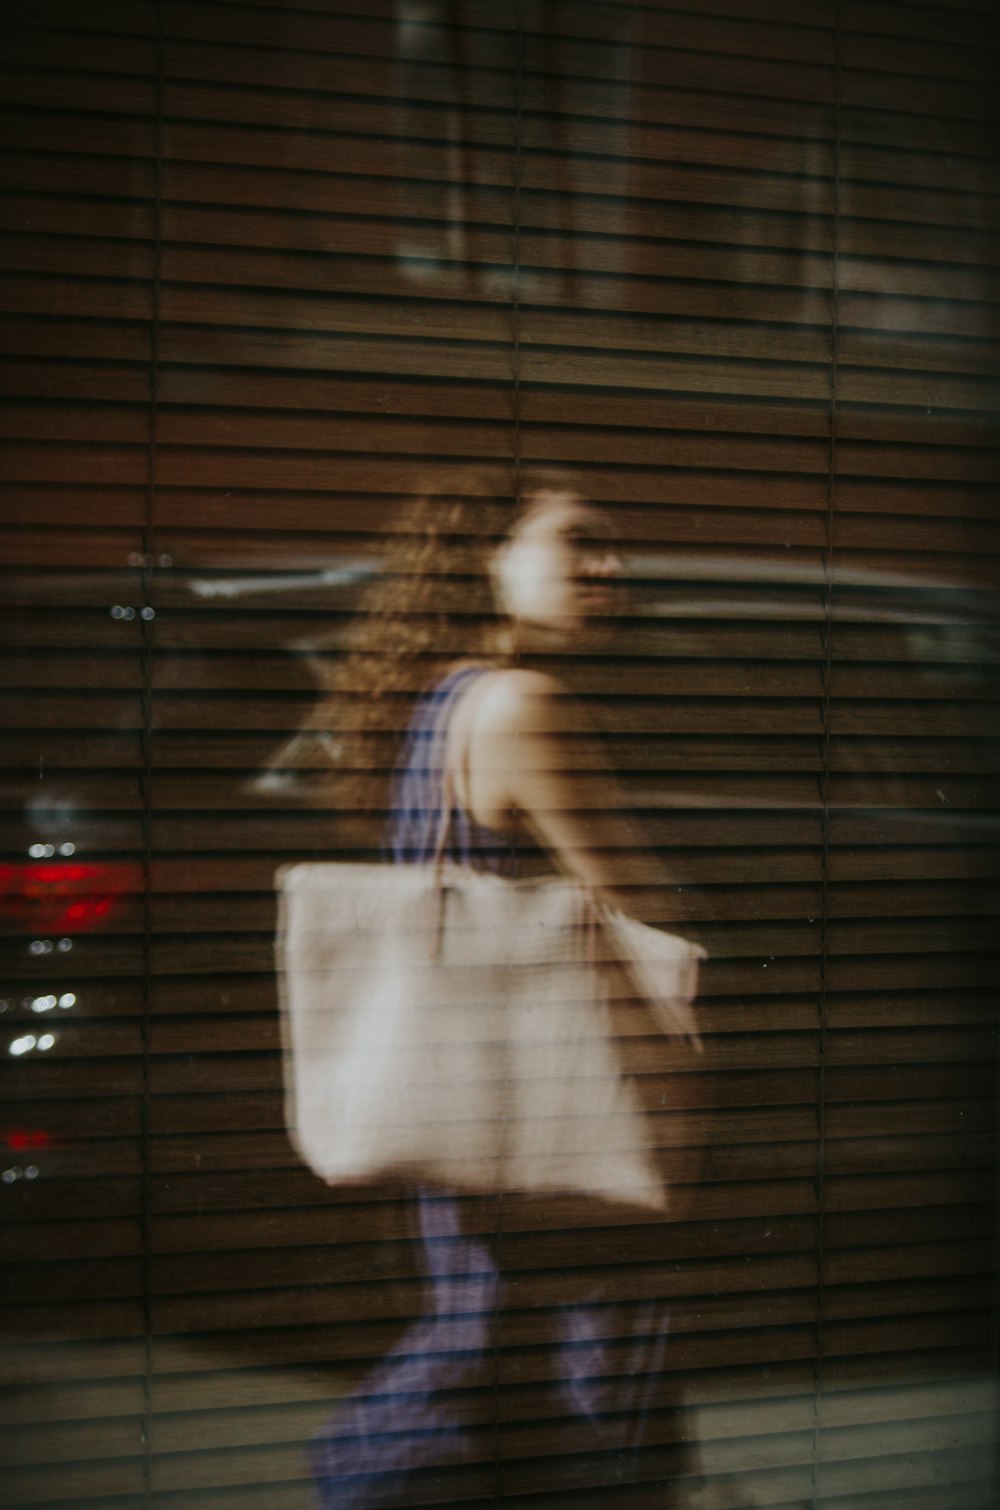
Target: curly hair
<point>430,606</point>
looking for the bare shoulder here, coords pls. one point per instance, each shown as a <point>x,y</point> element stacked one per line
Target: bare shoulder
<point>522,701</point>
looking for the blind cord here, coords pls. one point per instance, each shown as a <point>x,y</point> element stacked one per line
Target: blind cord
<point>146,632</point>
<point>824,779</point>
<point>515,249</point>
<point>515,309</point>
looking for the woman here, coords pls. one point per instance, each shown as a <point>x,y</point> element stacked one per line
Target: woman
<point>455,643</point>
<point>473,585</point>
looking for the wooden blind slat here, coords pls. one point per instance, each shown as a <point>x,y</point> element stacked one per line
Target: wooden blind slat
<point>258,276</point>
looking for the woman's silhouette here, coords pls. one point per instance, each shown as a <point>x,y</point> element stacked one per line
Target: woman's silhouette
<point>456,642</point>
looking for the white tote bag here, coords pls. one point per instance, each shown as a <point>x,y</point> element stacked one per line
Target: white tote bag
<point>455,1028</point>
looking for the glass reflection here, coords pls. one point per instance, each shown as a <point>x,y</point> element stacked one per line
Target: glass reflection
<point>483,1051</point>
<point>265,262</point>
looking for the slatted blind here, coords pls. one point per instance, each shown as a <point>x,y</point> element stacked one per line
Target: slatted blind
<point>265,265</point>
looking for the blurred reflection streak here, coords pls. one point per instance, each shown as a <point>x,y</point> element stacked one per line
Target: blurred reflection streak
<point>290,581</point>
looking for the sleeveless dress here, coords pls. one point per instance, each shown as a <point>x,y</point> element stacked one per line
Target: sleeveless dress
<point>428,1419</point>
<point>417,799</point>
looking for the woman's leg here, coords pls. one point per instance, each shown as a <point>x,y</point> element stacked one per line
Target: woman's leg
<point>403,1416</point>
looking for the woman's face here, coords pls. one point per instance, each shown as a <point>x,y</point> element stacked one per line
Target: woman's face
<point>557,572</point>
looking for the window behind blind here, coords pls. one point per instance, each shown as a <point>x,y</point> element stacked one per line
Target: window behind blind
<point>264,266</point>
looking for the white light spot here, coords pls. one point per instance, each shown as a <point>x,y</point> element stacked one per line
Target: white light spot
<point>65,945</point>
<point>36,851</point>
<point>22,1045</point>
<point>67,849</point>
<point>68,999</point>
<point>31,1173</point>
<point>46,1041</point>
<point>43,1004</point>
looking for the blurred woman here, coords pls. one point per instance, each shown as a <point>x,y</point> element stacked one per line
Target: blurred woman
<point>453,649</point>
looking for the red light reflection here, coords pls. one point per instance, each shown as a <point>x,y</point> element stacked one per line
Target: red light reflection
<point>73,898</point>
<point>19,1141</point>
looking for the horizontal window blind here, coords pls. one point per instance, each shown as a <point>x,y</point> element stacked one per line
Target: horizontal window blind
<point>267,267</point>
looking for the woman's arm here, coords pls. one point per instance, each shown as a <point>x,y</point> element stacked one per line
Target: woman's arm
<point>530,748</point>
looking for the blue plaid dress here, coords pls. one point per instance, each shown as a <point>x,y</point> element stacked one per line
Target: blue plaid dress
<point>423,1425</point>
<point>417,798</point>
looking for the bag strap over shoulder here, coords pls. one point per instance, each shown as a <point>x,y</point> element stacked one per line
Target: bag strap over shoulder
<point>456,753</point>
<point>456,756</point>
<point>665,984</point>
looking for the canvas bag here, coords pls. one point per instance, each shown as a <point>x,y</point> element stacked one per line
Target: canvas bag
<point>455,1028</point>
